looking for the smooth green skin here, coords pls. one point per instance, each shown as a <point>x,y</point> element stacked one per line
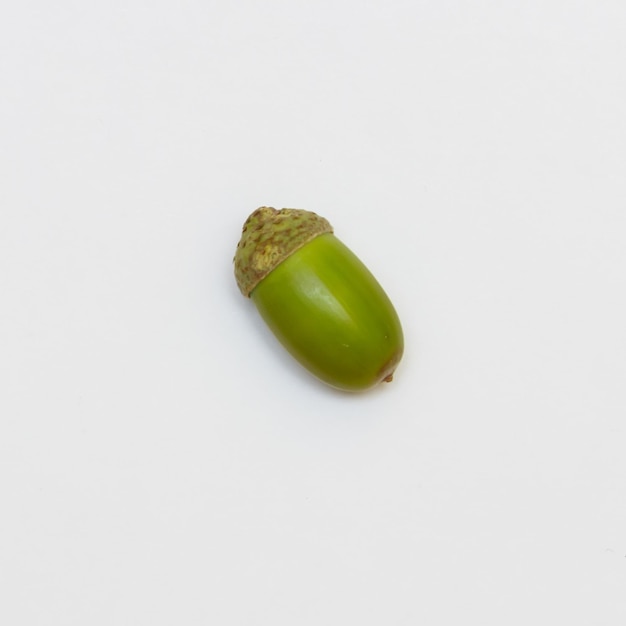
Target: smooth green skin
<point>331,314</point>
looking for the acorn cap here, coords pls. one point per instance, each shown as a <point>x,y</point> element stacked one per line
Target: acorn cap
<point>268,238</point>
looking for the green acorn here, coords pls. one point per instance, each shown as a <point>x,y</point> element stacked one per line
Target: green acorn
<point>320,301</point>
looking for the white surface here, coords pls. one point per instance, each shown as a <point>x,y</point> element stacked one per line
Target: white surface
<point>162,461</point>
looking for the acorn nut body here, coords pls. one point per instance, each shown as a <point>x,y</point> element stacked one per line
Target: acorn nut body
<point>316,296</point>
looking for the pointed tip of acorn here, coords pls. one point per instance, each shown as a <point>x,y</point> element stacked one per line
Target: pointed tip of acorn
<point>268,238</point>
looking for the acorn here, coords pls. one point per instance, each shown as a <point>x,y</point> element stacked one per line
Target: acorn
<point>318,298</point>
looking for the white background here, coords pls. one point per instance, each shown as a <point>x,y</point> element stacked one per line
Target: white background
<point>162,461</point>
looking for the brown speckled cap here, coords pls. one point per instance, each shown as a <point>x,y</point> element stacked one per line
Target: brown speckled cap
<point>268,238</point>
